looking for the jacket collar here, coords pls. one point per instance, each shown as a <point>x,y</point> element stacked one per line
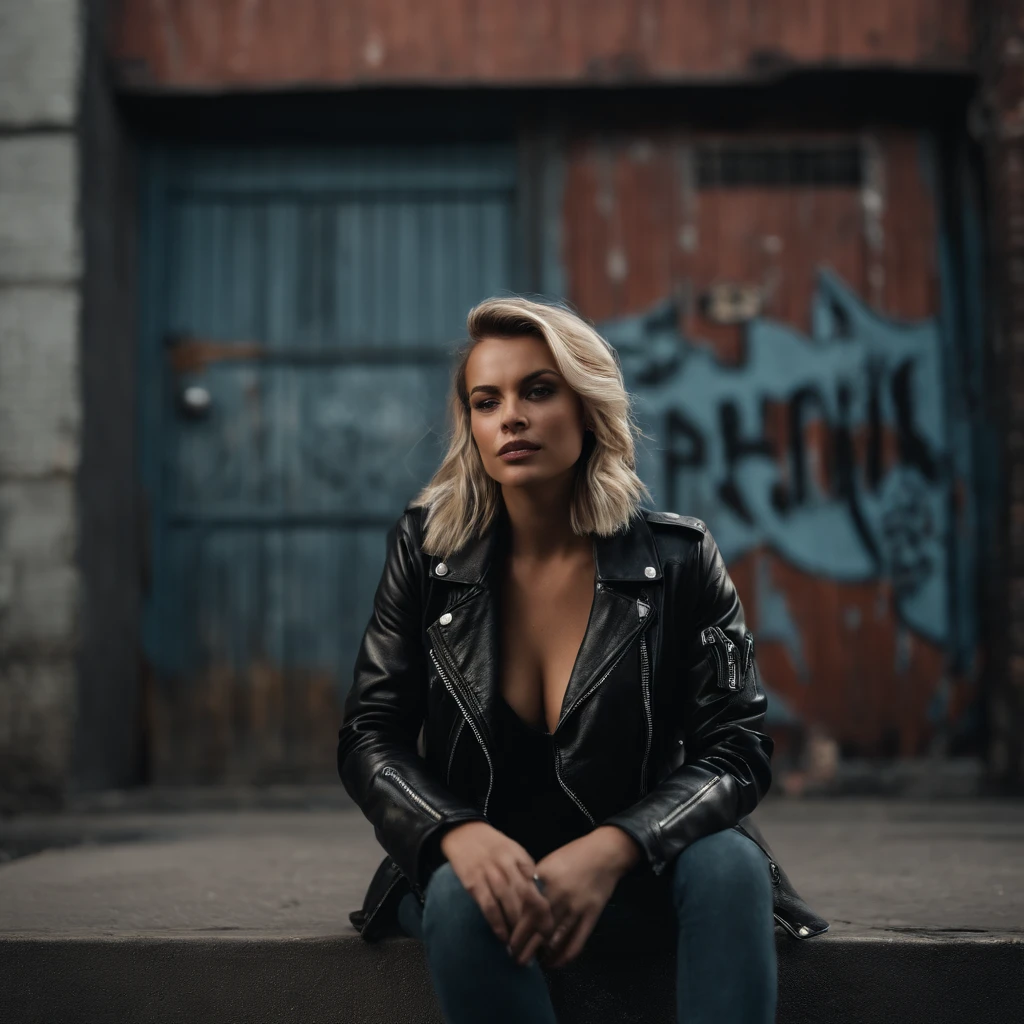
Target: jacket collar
<point>468,636</point>
<point>627,556</point>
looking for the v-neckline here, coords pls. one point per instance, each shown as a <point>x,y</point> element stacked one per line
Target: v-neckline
<point>533,727</point>
<point>498,605</point>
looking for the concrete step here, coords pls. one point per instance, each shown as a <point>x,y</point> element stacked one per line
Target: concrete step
<point>243,916</point>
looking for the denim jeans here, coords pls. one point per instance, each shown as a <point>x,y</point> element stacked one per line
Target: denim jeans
<point>719,918</point>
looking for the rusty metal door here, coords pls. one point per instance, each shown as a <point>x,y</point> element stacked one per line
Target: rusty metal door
<point>789,321</point>
<point>301,311</point>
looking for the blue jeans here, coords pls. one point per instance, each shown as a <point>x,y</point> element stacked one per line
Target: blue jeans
<point>720,896</point>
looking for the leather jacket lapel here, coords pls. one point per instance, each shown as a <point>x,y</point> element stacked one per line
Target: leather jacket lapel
<point>470,638</point>
<point>467,638</point>
<point>614,620</point>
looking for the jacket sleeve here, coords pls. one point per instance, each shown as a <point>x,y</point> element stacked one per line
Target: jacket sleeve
<point>725,766</point>
<point>378,760</point>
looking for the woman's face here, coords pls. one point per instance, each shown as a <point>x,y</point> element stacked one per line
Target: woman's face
<point>527,422</point>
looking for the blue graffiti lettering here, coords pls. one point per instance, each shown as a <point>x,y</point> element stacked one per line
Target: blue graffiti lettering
<point>838,509</point>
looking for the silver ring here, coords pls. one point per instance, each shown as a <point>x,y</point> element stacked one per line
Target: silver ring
<point>539,882</point>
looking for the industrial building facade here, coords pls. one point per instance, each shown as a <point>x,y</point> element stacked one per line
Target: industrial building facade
<point>781,215</point>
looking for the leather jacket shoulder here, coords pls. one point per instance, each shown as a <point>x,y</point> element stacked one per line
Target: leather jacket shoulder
<point>665,676</point>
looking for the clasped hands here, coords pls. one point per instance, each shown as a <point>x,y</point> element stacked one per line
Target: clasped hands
<point>577,879</point>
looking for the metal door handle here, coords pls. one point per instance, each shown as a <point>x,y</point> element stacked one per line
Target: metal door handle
<point>194,401</point>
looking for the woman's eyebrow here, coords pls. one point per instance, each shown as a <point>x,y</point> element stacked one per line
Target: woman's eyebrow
<point>492,389</point>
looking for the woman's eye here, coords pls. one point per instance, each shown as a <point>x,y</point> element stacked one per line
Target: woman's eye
<point>540,390</point>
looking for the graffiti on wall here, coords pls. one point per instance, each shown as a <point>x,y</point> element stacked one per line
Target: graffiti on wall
<point>830,448</point>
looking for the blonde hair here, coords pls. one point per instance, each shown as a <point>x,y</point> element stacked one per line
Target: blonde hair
<point>462,500</point>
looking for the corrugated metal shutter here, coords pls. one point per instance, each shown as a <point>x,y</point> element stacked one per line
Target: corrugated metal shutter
<point>314,300</point>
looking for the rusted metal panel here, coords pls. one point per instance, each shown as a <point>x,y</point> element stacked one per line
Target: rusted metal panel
<point>817,437</point>
<point>295,367</point>
<point>253,44</point>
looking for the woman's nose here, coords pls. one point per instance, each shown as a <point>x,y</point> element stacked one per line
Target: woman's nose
<point>514,415</point>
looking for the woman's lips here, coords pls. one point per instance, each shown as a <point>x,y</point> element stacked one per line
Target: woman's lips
<point>519,453</point>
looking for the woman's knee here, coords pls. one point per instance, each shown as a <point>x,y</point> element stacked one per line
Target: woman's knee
<point>725,863</point>
<point>449,909</point>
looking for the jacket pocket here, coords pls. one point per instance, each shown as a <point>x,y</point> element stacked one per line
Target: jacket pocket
<point>679,811</point>
<point>725,656</point>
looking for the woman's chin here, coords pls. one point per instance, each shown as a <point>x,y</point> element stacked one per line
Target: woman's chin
<point>517,475</point>
<point>529,476</point>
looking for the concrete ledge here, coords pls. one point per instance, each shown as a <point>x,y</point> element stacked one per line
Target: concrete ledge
<point>242,915</point>
<point>312,980</point>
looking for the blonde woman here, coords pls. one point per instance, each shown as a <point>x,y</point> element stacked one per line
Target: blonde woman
<point>555,724</point>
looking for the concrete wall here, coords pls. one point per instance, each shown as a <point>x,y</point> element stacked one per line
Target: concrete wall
<point>109,734</point>
<point>40,406</point>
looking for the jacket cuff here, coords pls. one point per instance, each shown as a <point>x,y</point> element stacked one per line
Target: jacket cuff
<point>649,859</point>
<point>671,817</point>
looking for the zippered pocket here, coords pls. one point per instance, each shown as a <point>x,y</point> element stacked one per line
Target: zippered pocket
<point>392,775</point>
<point>748,654</point>
<point>683,808</point>
<point>725,656</point>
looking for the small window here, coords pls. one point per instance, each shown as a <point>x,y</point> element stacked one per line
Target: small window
<point>743,164</point>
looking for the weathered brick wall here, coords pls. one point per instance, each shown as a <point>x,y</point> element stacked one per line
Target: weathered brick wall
<point>40,269</point>
<point>254,44</point>
<point>1000,28</point>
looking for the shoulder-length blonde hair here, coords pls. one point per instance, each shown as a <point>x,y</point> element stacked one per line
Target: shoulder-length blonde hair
<point>462,500</point>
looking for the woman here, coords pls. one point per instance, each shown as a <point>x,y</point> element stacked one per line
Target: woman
<point>555,722</point>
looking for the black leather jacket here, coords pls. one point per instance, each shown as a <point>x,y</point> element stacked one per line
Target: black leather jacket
<point>660,728</point>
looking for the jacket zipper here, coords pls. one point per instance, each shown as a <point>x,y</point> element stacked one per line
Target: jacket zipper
<point>748,659</point>
<point>683,808</point>
<point>450,687</point>
<point>390,773</point>
<point>583,696</point>
<point>645,686</point>
<point>714,638</point>
<point>451,755</point>
<point>558,760</point>
<point>568,792</point>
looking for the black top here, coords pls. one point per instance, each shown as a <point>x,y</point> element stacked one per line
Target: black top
<point>527,802</point>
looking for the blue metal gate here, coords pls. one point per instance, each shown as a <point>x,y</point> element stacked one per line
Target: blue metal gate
<point>300,312</point>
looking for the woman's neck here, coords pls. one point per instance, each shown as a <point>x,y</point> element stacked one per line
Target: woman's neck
<point>539,525</point>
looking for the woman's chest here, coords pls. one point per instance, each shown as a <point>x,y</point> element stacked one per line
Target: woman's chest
<point>542,627</point>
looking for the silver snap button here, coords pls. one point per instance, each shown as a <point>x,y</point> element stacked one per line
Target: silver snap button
<point>650,572</point>
<point>805,930</point>
<point>446,618</point>
<point>441,569</point>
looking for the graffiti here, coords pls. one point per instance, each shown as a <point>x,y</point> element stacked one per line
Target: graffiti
<point>775,623</point>
<point>831,449</point>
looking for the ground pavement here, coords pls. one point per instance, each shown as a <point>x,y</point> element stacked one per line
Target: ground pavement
<point>227,912</point>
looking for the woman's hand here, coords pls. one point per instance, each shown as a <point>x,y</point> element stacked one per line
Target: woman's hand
<point>498,873</point>
<point>578,879</point>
